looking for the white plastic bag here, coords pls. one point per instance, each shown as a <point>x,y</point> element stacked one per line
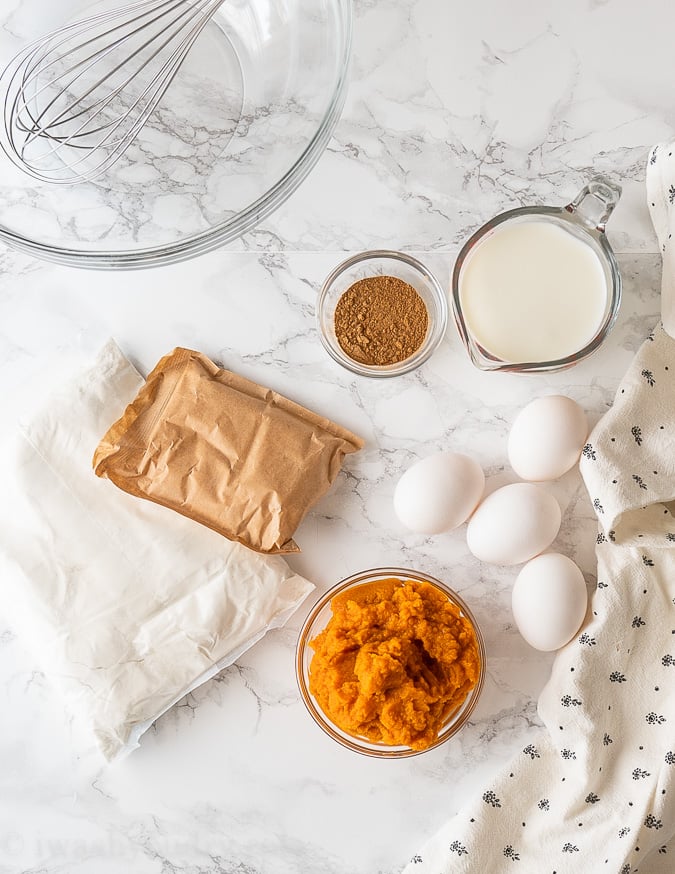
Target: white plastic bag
<point>126,605</point>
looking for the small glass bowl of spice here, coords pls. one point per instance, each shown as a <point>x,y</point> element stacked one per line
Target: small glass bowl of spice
<point>381,313</point>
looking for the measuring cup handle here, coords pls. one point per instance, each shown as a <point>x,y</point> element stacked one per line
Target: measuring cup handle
<point>594,204</point>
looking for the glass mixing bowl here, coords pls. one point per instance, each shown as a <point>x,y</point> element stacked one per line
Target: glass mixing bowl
<point>317,620</point>
<point>247,117</point>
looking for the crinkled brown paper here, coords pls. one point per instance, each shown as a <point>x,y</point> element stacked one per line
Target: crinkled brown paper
<point>223,451</point>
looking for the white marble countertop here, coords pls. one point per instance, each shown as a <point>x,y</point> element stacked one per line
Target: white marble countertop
<point>456,112</point>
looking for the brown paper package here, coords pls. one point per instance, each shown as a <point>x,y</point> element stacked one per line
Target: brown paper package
<point>223,451</point>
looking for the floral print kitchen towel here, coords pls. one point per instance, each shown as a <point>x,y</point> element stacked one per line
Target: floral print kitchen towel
<point>596,791</point>
<point>661,199</point>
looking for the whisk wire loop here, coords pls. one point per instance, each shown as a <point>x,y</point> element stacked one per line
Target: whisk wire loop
<point>75,104</point>
<point>86,64</point>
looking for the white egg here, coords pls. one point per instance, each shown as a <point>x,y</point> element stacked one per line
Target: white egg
<point>439,492</point>
<point>513,524</point>
<point>547,437</point>
<point>549,601</point>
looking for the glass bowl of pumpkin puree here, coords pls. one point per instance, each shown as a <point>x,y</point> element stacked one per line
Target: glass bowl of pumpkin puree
<point>390,662</point>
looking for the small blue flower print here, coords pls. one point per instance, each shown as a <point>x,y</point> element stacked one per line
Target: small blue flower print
<point>652,822</point>
<point>647,562</point>
<point>612,535</point>
<point>624,831</point>
<point>490,798</point>
<point>601,538</point>
<point>570,848</point>
<point>510,853</point>
<point>667,661</point>
<point>640,774</point>
<point>568,701</point>
<point>607,740</point>
<point>670,758</point>
<point>639,481</point>
<point>592,798</point>
<point>671,194</point>
<point>670,537</point>
<point>568,755</point>
<point>637,434</point>
<point>416,860</point>
<point>649,377</point>
<point>586,639</point>
<point>544,804</point>
<point>589,452</point>
<point>460,849</point>
<point>654,719</point>
<point>638,622</point>
<point>617,677</point>
<point>598,505</point>
<point>531,751</point>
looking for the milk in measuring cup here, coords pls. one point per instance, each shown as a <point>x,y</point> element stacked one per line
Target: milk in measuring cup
<point>532,291</point>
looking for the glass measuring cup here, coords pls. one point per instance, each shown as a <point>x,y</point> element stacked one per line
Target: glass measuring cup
<point>528,324</point>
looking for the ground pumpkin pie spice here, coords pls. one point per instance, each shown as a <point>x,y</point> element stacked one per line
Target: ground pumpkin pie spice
<point>394,661</point>
<point>380,320</point>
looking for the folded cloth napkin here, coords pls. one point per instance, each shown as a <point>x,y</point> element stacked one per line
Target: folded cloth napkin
<point>596,791</point>
<point>661,199</point>
<point>126,605</point>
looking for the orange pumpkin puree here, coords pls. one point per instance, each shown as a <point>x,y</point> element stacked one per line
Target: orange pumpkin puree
<point>394,661</point>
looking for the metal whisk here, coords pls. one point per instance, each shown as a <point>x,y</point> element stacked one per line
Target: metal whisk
<point>77,98</point>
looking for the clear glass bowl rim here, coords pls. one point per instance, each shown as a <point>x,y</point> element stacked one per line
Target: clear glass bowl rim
<point>415,360</point>
<point>235,226</point>
<point>386,752</point>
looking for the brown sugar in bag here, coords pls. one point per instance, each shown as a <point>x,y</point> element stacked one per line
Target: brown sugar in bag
<point>223,451</point>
